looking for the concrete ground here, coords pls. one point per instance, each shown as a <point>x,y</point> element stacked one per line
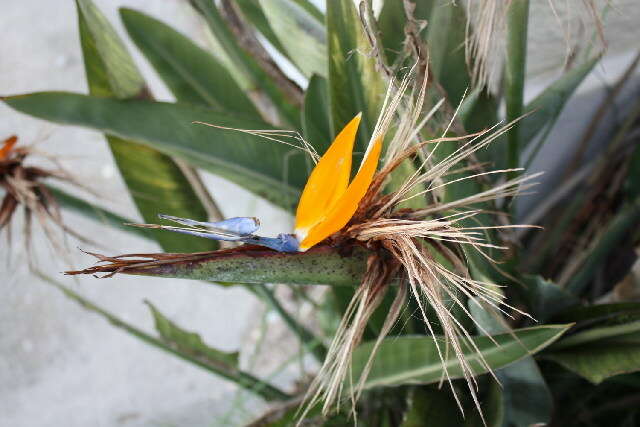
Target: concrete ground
<point>62,366</point>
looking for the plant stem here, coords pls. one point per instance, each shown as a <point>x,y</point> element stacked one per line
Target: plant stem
<point>517,23</point>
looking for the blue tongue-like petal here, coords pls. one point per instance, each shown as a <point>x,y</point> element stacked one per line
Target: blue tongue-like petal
<point>239,229</point>
<point>282,243</point>
<point>242,225</point>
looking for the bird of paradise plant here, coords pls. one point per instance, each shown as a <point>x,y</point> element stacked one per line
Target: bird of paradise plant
<point>415,249</point>
<point>417,245</point>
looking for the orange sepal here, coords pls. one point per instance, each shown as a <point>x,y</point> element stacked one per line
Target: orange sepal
<point>328,180</point>
<point>347,204</point>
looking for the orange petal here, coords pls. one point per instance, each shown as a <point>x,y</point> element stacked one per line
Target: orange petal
<point>8,145</point>
<point>347,205</point>
<point>328,180</point>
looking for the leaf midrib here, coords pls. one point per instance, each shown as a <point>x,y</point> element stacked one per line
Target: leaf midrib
<point>406,375</point>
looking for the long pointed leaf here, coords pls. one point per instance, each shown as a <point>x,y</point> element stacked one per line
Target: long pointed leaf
<point>191,343</point>
<point>597,362</point>
<point>602,352</point>
<point>546,107</point>
<point>431,407</point>
<point>252,12</point>
<point>270,169</point>
<point>192,73</point>
<point>414,359</point>
<point>354,84</point>
<point>301,34</point>
<point>316,116</point>
<point>445,36</point>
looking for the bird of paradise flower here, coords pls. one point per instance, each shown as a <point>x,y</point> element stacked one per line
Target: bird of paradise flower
<point>407,246</point>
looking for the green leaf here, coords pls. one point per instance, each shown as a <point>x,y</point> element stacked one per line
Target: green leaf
<point>156,183</point>
<point>598,361</point>
<point>479,111</point>
<point>192,74</point>
<point>316,116</point>
<point>414,359</point>
<point>546,108</point>
<point>321,265</point>
<point>354,84</point>
<point>390,22</point>
<point>545,299</point>
<point>191,344</point>
<point>618,332</point>
<point>599,353</point>
<point>288,415</point>
<point>399,176</point>
<point>302,35</point>
<point>514,74</point>
<point>311,8</point>
<point>252,12</point>
<point>270,169</point>
<point>445,36</point>
<point>616,231</point>
<point>110,69</point>
<point>493,409</point>
<point>239,377</point>
<point>525,396</point>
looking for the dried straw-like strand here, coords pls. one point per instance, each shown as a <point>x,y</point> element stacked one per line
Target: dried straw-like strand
<point>269,135</point>
<point>390,320</point>
<point>451,328</point>
<point>464,178</point>
<point>329,382</point>
<point>502,190</point>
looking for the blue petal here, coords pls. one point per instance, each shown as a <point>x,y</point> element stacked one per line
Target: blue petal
<point>282,243</point>
<point>242,226</point>
<point>206,234</point>
<point>233,229</point>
